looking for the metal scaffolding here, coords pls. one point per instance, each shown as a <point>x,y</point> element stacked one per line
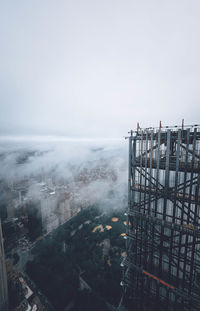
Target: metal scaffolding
<point>162,268</point>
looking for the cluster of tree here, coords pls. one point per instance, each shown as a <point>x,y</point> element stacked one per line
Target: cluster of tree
<point>62,256</point>
<point>85,300</point>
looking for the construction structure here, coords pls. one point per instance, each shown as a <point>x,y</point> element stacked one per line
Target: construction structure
<point>3,277</point>
<point>161,270</point>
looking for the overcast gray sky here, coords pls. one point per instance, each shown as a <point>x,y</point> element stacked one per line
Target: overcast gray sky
<point>89,68</point>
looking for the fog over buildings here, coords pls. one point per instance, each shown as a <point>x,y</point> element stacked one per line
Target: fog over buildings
<point>62,177</point>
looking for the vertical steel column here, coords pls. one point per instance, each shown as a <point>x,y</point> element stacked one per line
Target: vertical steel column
<point>129,170</point>
<point>188,211</point>
<point>141,159</point>
<point>177,172</point>
<point>150,172</point>
<point>130,177</point>
<point>166,174</point>
<point>178,142</point>
<point>157,171</point>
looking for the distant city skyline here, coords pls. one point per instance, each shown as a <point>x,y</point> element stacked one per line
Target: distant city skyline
<point>93,69</point>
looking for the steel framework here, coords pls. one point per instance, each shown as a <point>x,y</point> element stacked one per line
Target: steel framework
<point>161,270</point>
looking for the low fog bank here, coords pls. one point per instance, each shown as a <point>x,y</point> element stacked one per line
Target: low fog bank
<point>94,171</point>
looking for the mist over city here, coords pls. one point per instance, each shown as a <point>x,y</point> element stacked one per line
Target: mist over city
<point>89,170</point>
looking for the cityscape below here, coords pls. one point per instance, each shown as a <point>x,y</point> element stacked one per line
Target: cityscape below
<point>87,228</point>
<point>48,190</point>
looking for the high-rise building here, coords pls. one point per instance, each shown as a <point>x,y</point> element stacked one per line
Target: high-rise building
<point>162,266</point>
<point>3,277</point>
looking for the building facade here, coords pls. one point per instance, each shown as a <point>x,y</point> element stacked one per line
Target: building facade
<point>162,268</point>
<point>3,277</point>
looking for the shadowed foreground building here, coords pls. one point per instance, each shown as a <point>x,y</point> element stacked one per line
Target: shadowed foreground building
<point>162,267</point>
<point>3,277</point>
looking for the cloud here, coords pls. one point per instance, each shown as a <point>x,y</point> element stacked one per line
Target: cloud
<point>93,69</point>
<point>95,171</point>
